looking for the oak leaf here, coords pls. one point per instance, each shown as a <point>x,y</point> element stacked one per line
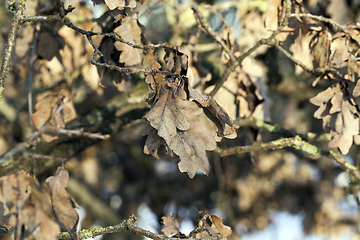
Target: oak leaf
<point>52,111</point>
<point>174,118</point>
<point>132,31</point>
<point>213,225</point>
<point>62,203</point>
<point>171,225</point>
<point>26,205</point>
<point>112,4</point>
<point>339,115</point>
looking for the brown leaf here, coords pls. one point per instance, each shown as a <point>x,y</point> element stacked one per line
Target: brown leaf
<point>63,204</point>
<point>227,35</point>
<point>320,48</point>
<point>174,118</point>
<point>52,111</point>
<point>225,125</point>
<point>26,204</point>
<point>301,50</point>
<point>131,31</point>
<point>38,225</point>
<point>225,231</point>
<point>154,79</point>
<point>272,15</point>
<point>213,224</point>
<point>326,95</point>
<point>153,141</point>
<point>176,61</point>
<point>50,44</point>
<point>14,193</point>
<point>112,4</point>
<point>171,225</point>
<point>346,127</point>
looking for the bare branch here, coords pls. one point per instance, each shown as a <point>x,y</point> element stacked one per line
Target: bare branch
<point>321,19</point>
<point>270,41</point>
<point>128,224</point>
<point>15,23</point>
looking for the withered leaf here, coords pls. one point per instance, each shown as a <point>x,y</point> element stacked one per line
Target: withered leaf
<point>339,115</point>
<point>14,193</point>
<point>154,79</point>
<point>171,225</point>
<point>166,116</point>
<point>153,141</point>
<point>26,204</point>
<point>346,127</point>
<point>224,230</point>
<point>63,204</point>
<point>112,4</point>
<point>176,61</point>
<point>225,126</point>
<point>131,31</point>
<point>174,118</point>
<point>213,224</point>
<point>38,225</point>
<point>52,111</point>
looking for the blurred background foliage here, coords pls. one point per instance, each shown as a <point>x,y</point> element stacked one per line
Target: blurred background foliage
<point>113,179</point>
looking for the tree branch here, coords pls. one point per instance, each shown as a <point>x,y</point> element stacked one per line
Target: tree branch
<point>295,142</point>
<point>128,224</point>
<point>15,23</point>
<point>270,41</point>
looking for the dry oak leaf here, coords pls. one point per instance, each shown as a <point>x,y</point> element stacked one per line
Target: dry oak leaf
<point>174,117</point>
<point>153,141</point>
<point>22,191</point>
<point>52,111</point>
<point>38,225</point>
<point>132,31</point>
<point>301,50</point>
<point>322,98</point>
<point>112,4</point>
<point>62,203</point>
<point>339,115</point>
<point>345,128</point>
<point>171,225</point>
<point>213,224</point>
<point>14,193</point>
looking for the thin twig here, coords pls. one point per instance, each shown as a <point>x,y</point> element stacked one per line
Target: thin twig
<point>15,23</point>
<point>297,62</point>
<point>128,70</point>
<point>270,40</point>
<point>30,105</point>
<point>6,158</point>
<point>321,19</point>
<point>49,18</point>
<point>274,128</point>
<point>200,17</point>
<point>298,144</point>
<point>34,155</point>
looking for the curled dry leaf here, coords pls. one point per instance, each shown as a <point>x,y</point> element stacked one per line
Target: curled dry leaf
<point>213,225</point>
<point>171,225</point>
<point>52,111</point>
<point>62,203</point>
<point>174,118</point>
<point>26,204</point>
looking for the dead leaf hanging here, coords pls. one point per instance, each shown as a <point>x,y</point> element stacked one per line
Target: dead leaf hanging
<point>52,111</point>
<point>174,118</point>
<point>63,204</point>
